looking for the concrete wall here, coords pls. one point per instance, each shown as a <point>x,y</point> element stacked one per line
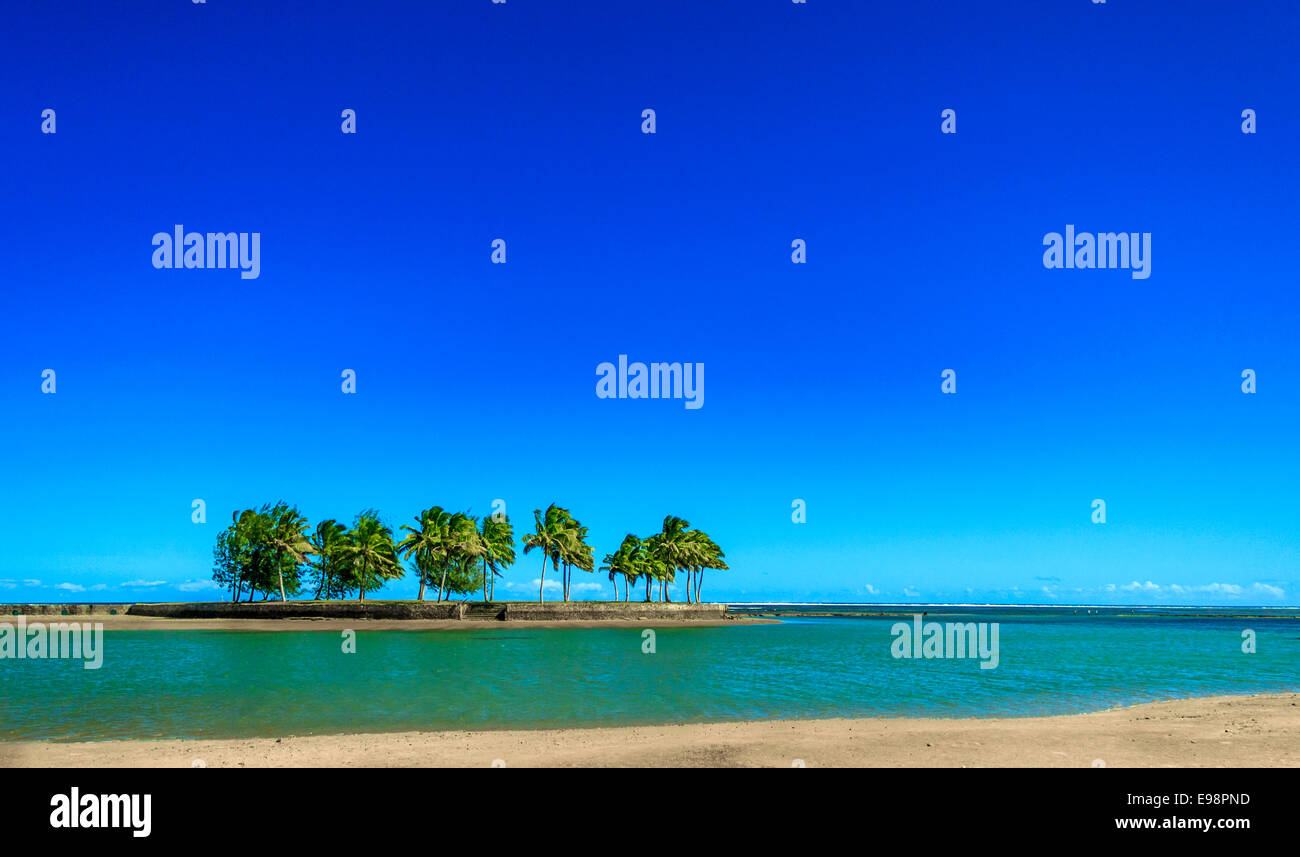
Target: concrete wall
<point>302,609</point>
<point>519,611</point>
<point>61,609</point>
<point>585,610</point>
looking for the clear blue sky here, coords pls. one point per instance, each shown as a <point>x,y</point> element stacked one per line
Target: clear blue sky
<point>775,121</point>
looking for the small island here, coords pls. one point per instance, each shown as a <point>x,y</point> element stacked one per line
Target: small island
<point>277,567</point>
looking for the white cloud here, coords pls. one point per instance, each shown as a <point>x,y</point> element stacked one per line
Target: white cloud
<point>1225,589</point>
<point>196,585</point>
<point>70,587</point>
<point>1210,588</point>
<point>31,583</point>
<point>141,584</point>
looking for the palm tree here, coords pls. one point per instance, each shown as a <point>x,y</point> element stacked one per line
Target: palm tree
<point>252,550</point>
<point>498,539</point>
<point>326,541</point>
<point>545,537</point>
<point>639,565</point>
<point>670,550</point>
<point>607,565</point>
<point>561,525</point>
<point>704,553</point>
<point>464,544</point>
<point>574,551</point>
<point>426,544</point>
<point>652,565</point>
<point>624,561</point>
<point>370,551</point>
<point>287,536</point>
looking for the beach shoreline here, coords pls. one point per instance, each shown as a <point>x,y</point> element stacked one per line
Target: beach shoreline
<point>1219,731</point>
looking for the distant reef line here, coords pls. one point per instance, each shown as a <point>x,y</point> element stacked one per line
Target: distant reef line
<point>505,611</point>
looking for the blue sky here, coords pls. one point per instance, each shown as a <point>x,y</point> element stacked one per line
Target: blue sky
<point>775,121</point>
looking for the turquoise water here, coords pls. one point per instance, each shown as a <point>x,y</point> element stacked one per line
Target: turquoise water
<point>198,684</point>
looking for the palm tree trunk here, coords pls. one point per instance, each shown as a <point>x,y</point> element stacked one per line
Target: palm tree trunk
<point>541,588</point>
<point>485,574</point>
<point>420,572</point>
<point>627,590</point>
<point>647,589</point>
<point>698,584</point>
<point>442,587</point>
<point>279,570</point>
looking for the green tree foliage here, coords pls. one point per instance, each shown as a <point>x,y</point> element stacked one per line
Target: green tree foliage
<point>369,553</point>
<point>272,551</point>
<point>328,570</point>
<point>263,550</point>
<point>498,538</point>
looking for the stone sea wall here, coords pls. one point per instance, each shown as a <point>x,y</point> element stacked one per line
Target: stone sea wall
<point>62,609</point>
<point>517,611</point>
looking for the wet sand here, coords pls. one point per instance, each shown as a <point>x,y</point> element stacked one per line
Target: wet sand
<point>1225,731</point>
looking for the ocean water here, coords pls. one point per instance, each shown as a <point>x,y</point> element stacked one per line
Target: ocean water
<point>205,684</point>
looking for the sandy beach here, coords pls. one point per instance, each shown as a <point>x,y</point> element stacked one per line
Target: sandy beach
<point>1228,731</point>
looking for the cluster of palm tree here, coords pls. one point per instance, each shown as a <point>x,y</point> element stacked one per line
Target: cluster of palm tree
<point>562,540</point>
<point>273,551</point>
<point>270,550</point>
<point>447,549</point>
<point>262,549</point>
<point>658,559</point>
